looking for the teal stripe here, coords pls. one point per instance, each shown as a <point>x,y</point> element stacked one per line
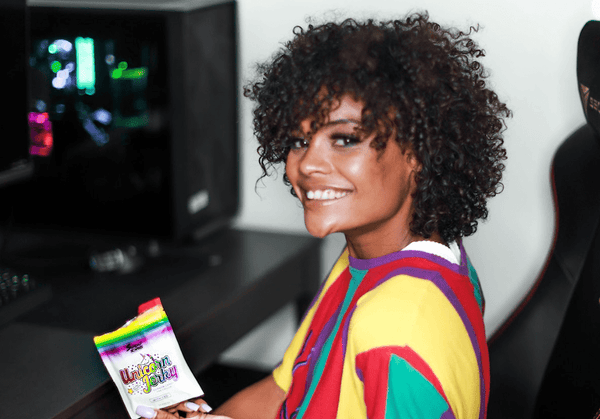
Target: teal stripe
<point>476,284</point>
<point>410,394</point>
<point>357,277</point>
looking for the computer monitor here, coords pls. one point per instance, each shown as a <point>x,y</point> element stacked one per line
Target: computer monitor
<point>132,120</point>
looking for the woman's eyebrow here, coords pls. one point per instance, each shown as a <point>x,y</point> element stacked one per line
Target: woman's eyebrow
<point>300,134</point>
<point>342,121</point>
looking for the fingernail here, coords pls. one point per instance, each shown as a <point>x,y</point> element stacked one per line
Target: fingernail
<point>145,412</point>
<point>192,406</point>
<point>206,407</point>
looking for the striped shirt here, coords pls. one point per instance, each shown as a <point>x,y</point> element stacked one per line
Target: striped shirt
<point>399,336</point>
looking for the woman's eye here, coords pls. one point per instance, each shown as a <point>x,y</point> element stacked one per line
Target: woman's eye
<point>297,143</point>
<point>345,140</point>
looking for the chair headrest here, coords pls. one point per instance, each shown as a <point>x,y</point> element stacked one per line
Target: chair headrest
<point>588,72</point>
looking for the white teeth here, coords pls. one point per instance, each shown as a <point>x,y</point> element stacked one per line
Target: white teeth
<point>325,195</point>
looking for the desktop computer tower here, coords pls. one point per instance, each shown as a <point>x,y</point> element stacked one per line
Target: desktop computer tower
<point>133,118</point>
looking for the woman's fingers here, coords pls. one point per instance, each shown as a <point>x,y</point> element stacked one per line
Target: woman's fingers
<point>170,412</point>
<point>149,413</point>
<point>161,414</point>
<point>197,405</point>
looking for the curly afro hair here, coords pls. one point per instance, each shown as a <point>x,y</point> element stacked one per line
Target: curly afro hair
<point>420,84</point>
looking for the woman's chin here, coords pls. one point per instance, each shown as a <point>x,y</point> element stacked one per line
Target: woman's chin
<point>320,231</point>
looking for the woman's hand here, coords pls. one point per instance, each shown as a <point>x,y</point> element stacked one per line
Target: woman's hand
<point>259,401</point>
<point>197,409</point>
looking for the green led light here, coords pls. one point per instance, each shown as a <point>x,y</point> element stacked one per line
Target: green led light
<point>122,65</point>
<point>52,49</point>
<point>116,73</point>
<point>86,68</point>
<point>132,73</point>
<point>55,66</point>
<point>135,73</point>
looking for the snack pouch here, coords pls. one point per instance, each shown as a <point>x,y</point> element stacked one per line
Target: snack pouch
<point>145,362</point>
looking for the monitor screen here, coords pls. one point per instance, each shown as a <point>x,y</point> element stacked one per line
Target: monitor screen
<point>98,123</point>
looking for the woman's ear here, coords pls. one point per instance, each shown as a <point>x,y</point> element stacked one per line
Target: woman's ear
<point>412,160</point>
<point>414,166</point>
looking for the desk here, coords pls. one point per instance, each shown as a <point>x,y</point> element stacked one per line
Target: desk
<point>50,366</point>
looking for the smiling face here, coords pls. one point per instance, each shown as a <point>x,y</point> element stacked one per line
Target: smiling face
<point>347,186</point>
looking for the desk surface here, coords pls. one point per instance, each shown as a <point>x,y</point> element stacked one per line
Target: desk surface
<point>49,362</point>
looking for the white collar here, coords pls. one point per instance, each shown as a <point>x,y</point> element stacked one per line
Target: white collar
<point>451,252</point>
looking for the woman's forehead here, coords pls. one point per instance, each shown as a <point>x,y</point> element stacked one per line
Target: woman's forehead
<point>346,108</point>
<point>343,110</point>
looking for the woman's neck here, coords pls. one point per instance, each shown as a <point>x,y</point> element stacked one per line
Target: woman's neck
<point>362,248</point>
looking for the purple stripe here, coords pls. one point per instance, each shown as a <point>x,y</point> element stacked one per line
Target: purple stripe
<point>364,264</point>
<point>360,374</point>
<point>310,332</point>
<point>298,365</point>
<point>448,414</point>
<point>318,346</point>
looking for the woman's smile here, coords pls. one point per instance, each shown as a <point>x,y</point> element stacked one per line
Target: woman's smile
<point>325,195</point>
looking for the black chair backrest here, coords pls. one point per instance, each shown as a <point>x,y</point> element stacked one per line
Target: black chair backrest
<point>570,387</point>
<point>535,354</point>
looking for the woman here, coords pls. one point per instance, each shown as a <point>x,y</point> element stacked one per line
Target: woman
<point>389,135</point>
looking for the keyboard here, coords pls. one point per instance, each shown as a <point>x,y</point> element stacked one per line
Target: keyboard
<point>19,294</point>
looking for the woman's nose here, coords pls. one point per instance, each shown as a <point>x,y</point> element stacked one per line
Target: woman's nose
<point>316,158</point>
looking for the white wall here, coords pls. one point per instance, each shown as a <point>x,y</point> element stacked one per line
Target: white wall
<point>531,55</point>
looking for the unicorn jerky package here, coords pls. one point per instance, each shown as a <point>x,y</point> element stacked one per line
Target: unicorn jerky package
<point>145,362</point>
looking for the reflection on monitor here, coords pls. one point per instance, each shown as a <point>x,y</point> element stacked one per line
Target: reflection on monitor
<point>40,133</point>
<point>98,124</point>
<point>106,85</point>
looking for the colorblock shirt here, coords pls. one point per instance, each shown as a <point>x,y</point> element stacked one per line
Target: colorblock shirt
<point>399,336</point>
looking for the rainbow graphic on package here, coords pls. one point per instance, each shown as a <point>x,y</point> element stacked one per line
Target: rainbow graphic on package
<point>145,362</point>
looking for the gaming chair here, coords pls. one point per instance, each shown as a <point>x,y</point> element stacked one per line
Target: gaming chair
<point>545,360</point>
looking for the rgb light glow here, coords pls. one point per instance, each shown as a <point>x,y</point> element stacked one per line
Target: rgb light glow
<point>60,45</point>
<point>132,73</point>
<point>40,133</point>
<point>86,69</point>
<point>59,82</point>
<point>55,66</point>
